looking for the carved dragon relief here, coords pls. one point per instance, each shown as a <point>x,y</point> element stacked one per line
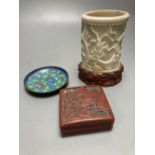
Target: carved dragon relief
<point>101,47</point>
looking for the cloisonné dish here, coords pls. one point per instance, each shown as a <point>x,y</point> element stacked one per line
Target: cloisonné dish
<point>46,80</point>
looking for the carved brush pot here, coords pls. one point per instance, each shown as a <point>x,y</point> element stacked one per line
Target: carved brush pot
<point>101,43</point>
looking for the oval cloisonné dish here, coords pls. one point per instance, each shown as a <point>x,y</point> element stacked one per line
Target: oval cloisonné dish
<point>46,80</point>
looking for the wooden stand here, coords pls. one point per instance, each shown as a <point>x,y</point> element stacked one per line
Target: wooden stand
<point>103,79</point>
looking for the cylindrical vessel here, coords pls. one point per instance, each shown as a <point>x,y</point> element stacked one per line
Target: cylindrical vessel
<point>101,42</point>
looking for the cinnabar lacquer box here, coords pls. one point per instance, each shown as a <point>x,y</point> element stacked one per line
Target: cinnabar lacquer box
<point>84,109</point>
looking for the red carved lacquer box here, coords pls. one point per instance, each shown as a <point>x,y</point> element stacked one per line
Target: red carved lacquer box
<point>84,109</point>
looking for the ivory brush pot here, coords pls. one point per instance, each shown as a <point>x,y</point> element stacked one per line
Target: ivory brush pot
<point>101,43</point>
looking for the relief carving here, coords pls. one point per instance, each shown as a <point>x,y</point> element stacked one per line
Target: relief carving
<point>88,104</point>
<point>101,46</point>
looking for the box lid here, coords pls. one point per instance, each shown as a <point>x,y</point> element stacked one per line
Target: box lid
<point>84,107</point>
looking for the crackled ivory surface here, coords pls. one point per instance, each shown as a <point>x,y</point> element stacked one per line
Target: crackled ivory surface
<point>101,39</point>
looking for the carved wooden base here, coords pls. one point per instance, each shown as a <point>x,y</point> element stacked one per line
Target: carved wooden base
<point>103,79</point>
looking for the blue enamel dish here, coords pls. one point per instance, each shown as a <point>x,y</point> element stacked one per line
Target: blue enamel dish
<point>46,80</point>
